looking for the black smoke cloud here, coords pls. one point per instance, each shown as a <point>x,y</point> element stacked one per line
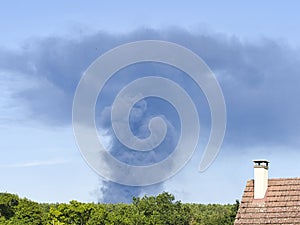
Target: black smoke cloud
<point>139,120</point>
<point>260,82</point>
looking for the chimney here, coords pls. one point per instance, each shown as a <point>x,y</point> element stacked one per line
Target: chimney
<point>260,178</point>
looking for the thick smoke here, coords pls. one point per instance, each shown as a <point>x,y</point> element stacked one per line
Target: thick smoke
<point>139,118</point>
<point>259,79</point>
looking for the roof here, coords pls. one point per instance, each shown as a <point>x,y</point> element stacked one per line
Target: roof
<point>281,204</point>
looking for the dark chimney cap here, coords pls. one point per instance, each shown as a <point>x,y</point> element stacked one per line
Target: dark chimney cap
<point>261,163</point>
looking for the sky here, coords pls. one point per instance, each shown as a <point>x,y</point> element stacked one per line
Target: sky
<point>45,47</point>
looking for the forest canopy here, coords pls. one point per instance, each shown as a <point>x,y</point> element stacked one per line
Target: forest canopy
<point>160,209</point>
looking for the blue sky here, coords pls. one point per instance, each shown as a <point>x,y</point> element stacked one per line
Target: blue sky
<point>252,47</point>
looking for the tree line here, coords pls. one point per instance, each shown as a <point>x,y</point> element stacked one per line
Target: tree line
<point>148,210</point>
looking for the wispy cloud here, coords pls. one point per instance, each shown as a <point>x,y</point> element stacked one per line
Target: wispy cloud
<point>36,163</point>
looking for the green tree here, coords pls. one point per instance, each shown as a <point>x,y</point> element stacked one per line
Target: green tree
<point>8,202</point>
<point>98,216</point>
<point>148,210</point>
<point>162,209</point>
<point>28,212</point>
<point>73,213</point>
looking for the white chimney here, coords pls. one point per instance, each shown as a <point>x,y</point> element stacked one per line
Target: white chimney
<point>260,178</point>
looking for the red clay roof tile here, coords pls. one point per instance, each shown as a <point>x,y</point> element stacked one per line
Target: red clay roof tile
<point>281,204</point>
